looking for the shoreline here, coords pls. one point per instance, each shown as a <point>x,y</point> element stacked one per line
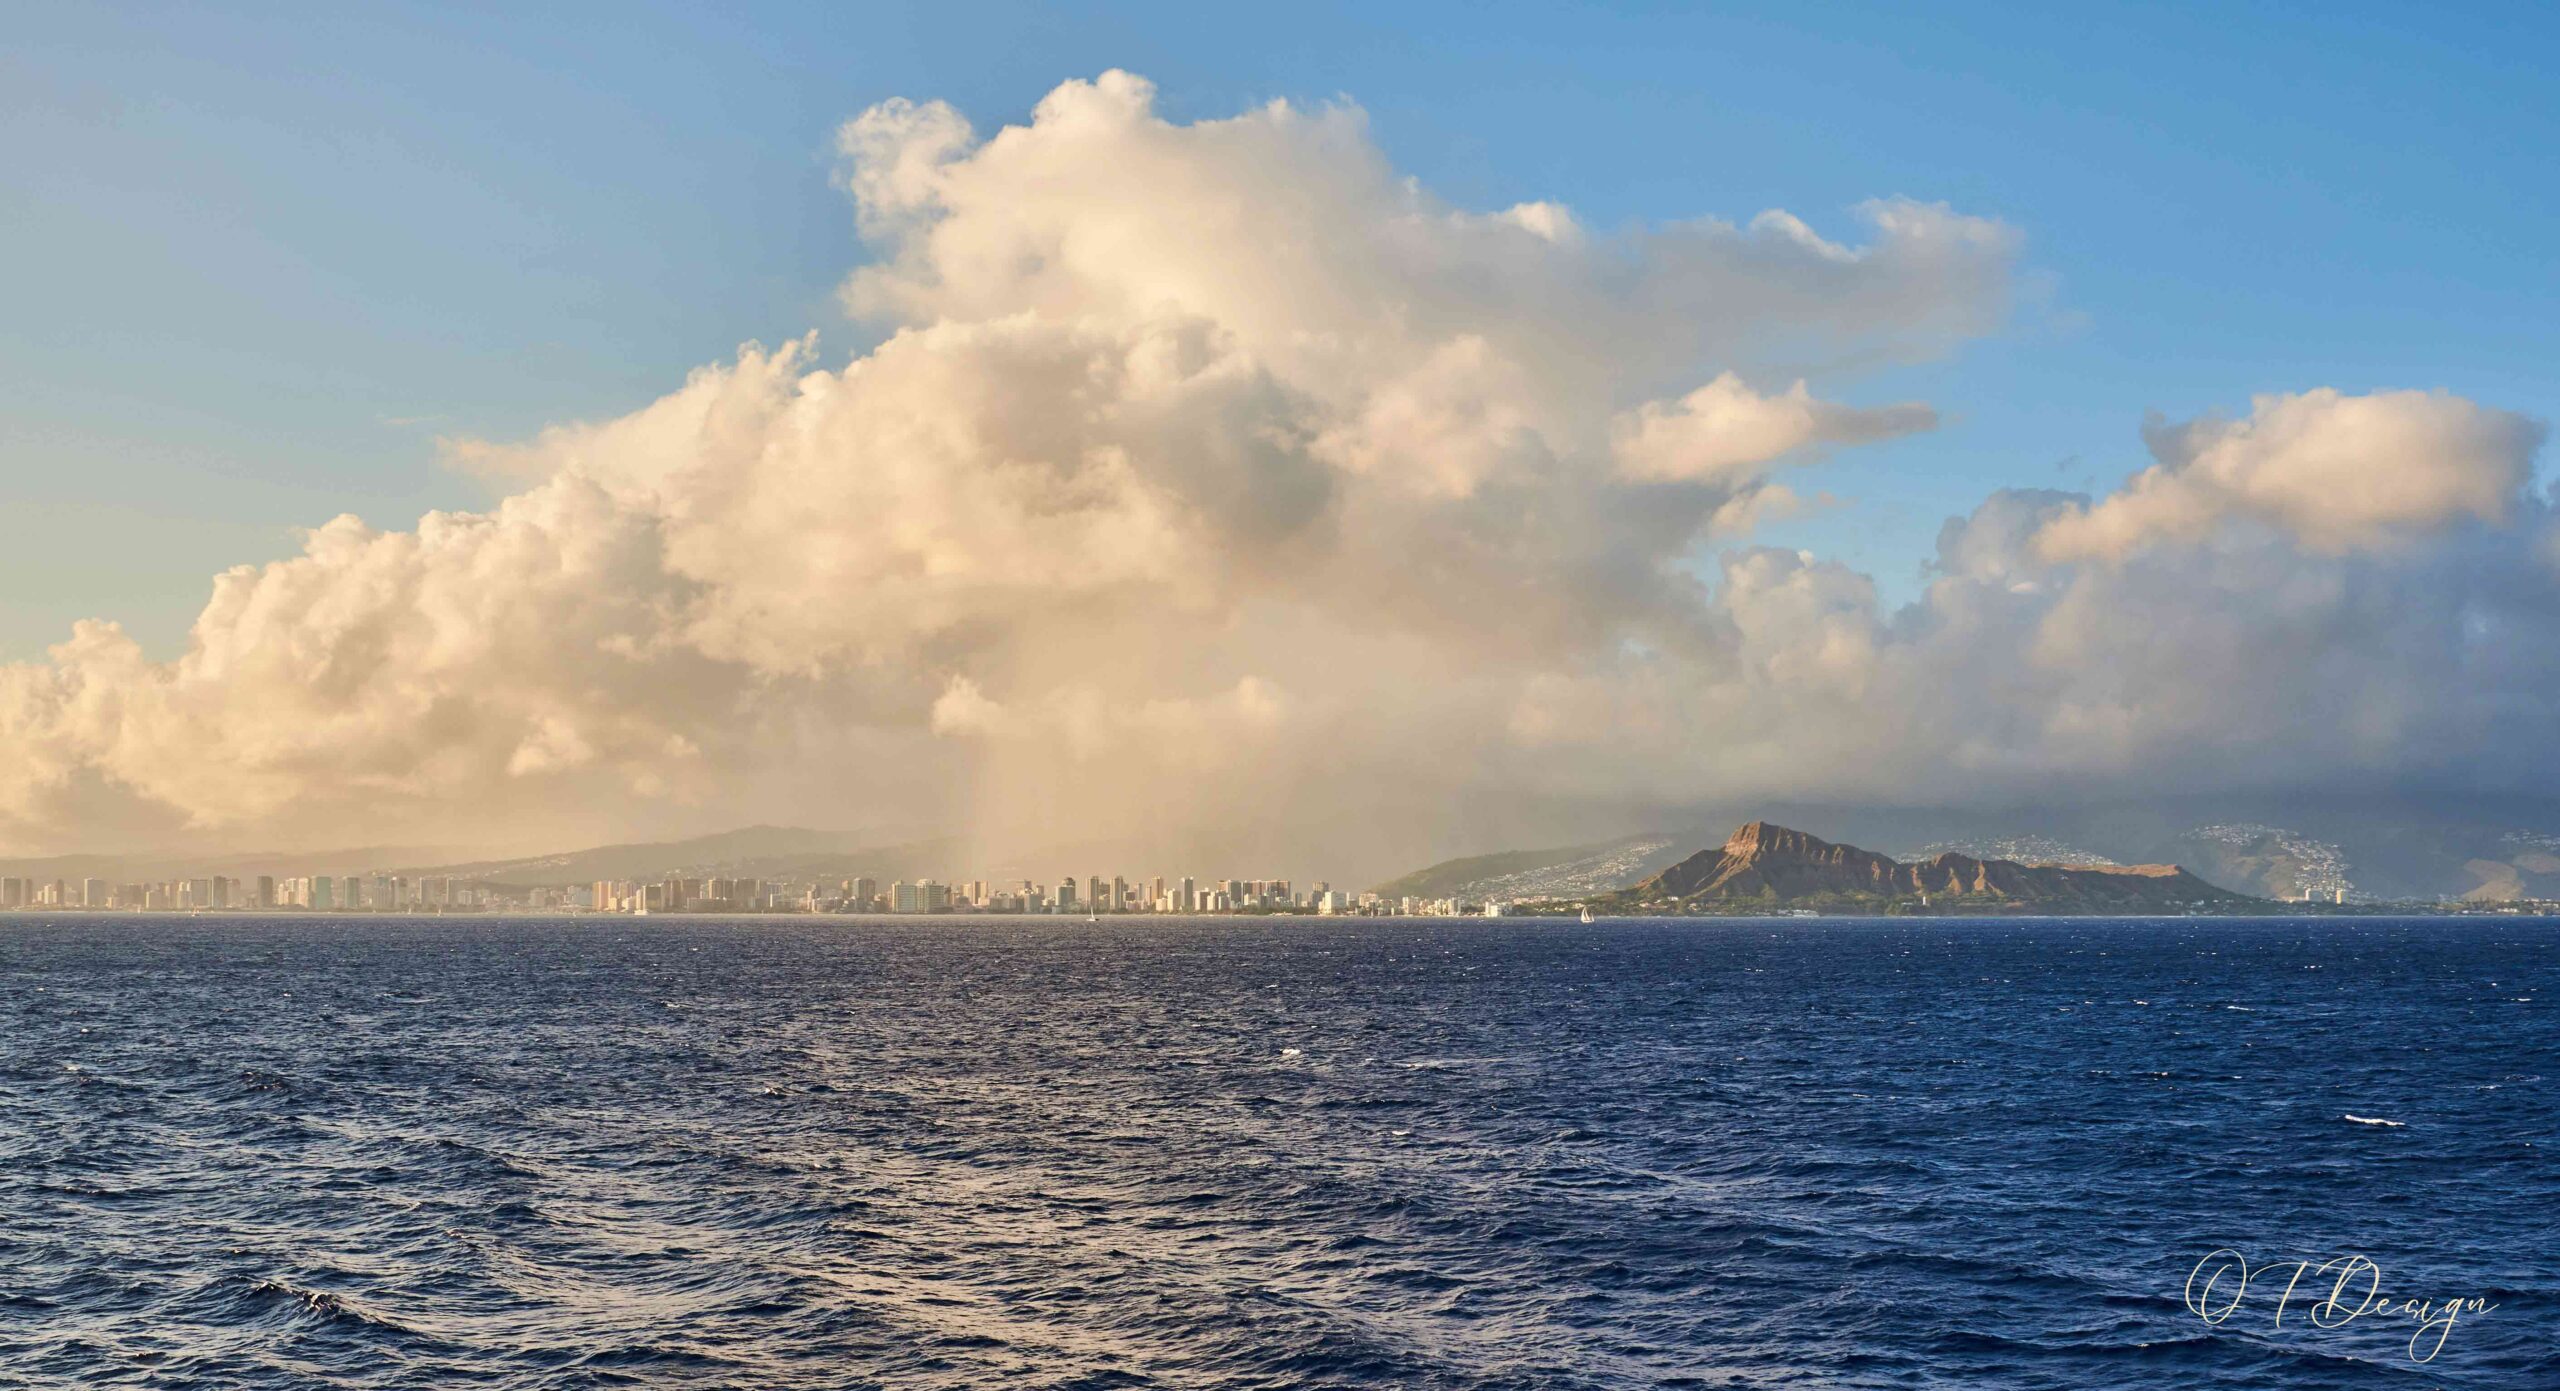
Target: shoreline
<point>2536,914</point>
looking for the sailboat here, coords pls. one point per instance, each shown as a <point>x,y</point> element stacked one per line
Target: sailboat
<point>1586,912</point>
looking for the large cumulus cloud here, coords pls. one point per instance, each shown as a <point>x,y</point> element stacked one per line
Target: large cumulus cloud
<point>1212,490</point>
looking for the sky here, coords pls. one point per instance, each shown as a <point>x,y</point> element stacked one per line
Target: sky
<point>271,266</point>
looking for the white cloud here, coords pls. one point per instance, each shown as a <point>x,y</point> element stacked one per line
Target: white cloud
<point>2335,472</point>
<point>1726,431</point>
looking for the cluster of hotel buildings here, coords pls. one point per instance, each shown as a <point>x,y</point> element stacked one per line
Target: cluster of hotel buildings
<point>353,893</point>
<point>1094,895</point>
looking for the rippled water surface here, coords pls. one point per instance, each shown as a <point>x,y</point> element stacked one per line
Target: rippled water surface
<point>837,1153</point>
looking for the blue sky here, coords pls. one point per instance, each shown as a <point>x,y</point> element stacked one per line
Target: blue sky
<point>256,263</point>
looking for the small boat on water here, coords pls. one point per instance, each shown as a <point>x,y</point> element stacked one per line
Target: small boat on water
<point>1586,914</point>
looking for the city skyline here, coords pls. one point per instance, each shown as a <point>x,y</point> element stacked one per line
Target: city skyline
<point>384,892</point>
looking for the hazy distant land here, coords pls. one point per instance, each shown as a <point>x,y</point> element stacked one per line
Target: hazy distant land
<point>1960,864</point>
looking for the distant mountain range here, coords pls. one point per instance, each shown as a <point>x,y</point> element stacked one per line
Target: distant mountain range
<point>2381,848</point>
<point>764,852</point>
<point>135,866</point>
<point>767,852</point>
<point>1766,866</point>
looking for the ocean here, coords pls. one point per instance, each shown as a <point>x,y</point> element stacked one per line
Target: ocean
<point>1277,1153</point>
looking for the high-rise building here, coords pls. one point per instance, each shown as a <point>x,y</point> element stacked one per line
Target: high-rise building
<point>266,891</point>
<point>93,893</point>
<point>1067,894</point>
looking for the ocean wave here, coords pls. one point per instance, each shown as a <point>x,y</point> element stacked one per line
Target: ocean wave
<point>488,1155</point>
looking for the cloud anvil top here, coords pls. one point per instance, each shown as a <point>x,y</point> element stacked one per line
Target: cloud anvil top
<point>1212,484</point>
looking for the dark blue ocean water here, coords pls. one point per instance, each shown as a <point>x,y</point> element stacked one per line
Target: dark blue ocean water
<point>823,1153</point>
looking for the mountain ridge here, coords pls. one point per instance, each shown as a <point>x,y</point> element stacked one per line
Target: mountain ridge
<point>1771,866</point>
